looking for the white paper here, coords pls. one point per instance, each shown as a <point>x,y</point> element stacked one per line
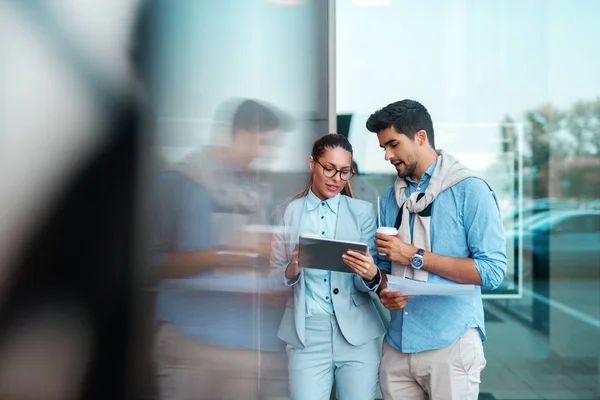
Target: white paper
<point>413,287</point>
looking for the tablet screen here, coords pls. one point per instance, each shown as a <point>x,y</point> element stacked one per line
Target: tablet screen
<point>326,254</point>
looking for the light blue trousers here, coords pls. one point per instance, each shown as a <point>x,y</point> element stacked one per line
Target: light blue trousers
<point>328,354</point>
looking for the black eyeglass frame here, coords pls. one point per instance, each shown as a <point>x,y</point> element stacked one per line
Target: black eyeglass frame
<point>325,173</point>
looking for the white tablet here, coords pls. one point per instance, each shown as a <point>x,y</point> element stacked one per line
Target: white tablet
<point>320,253</point>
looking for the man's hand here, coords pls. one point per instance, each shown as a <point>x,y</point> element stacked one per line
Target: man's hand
<point>258,243</point>
<point>394,249</point>
<point>392,300</point>
<point>383,283</point>
<point>362,264</point>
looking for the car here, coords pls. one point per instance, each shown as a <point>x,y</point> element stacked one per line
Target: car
<point>540,206</point>
<point>561,243</point>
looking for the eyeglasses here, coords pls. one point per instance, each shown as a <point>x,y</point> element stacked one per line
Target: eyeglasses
<point>345,175</point>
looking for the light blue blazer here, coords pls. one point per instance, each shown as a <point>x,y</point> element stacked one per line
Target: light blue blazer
<point>356,314</point>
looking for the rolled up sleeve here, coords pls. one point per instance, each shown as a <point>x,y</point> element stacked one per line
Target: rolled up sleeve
<point>485,234</point>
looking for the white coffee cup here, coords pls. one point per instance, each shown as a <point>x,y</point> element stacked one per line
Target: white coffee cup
<point>387,230</point>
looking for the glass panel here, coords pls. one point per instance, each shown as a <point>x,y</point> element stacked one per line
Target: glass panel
<point>238,93</point>
<point>509,100</point>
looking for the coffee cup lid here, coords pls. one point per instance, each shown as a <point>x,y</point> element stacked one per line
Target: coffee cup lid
<point>383,229</point>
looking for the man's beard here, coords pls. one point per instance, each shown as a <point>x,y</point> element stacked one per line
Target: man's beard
<point>408,171</point>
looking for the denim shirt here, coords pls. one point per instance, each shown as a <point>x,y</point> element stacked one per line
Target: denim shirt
<point>182,221</point>
<point>465,223</point>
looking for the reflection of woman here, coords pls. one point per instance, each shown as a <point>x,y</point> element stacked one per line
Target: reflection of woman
<point>331,329</point>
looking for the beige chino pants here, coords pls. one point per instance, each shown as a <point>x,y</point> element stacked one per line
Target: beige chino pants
<point>449,373</point>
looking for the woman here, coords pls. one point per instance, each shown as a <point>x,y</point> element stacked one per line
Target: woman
<point>332,326</point>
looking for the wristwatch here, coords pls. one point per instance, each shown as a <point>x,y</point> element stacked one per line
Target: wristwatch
<point>416,261</point>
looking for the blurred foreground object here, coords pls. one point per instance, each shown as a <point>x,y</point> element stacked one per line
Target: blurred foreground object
<point>69,150</point>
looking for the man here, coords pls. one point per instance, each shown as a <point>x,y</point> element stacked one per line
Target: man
<point>449,231</point>
<point>214,334</point>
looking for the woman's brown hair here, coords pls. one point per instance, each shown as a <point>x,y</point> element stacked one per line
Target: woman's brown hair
<point>329,141</point>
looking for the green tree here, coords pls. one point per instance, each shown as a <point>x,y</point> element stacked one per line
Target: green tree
<point>583,124</point>
<point>552,133</point>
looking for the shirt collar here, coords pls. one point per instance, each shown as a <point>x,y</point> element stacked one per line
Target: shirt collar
<point>425,175</point>
<point>312,202</point>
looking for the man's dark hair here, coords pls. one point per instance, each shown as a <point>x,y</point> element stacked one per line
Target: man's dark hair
<point>253,116</point>
<point>406,116</point>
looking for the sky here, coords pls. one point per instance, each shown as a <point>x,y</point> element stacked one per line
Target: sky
<point>469,62</point>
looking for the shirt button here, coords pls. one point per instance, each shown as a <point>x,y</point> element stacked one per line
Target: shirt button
<point>323,203</point>
<point>325,280</point>
<point>322,233</point>
<point>405,312</point>
<point>336,291</point>
<point>326,297</point>
<point>322,217</point>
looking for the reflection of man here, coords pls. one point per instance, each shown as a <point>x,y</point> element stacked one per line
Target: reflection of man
<point>449,232</point>
<point>211,323</point>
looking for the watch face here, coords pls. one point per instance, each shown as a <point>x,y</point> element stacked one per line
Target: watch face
<point>416,262</point>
